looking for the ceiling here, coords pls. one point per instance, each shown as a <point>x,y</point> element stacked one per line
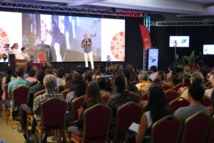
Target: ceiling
<point>181,8</point>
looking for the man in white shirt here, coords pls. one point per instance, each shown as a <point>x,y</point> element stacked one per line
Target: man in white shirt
<point>24,53</point>
<point>16,52</point>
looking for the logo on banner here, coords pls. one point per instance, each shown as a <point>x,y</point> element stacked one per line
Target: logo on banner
<point>151,59</point>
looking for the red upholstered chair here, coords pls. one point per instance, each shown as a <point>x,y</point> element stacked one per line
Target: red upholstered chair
<point>211,134</point>
<point>178,102</point>
<point>166,87</point>
<point>41,57</point>
<point>106,98</point>
<point>138,96</point>
<point>208,84</point>
<point>126,115</point>
<point>96,120</point>
<point>206,101</point>
<point>171,94</point>
<point>76,104</point>
<point>53,112</point>
<point>166,130</point>
<point>196,128</point>
<point>19,95</point>
<point>39,93</point>
<point>65,92</point>
<point>176,87</point>
<point>145,96</point>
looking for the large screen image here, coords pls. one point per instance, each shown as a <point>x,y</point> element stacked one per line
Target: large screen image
<point>61,38</point>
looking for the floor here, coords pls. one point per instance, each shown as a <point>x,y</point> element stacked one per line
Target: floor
<point>10,135</point>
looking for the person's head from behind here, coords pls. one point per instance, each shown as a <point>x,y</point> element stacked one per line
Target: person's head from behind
<point>87,76</point>
<point>78,85</point>
<point>143,76</point>
<point>157,102</point>
<point>23,49</point>
<point>197,77</point>
<point>196,92</point>
<point>102,69</point>
<point>93,95</point>
<point>20,71</point>
<point>49,82</point>
<point>40,75</point>
<point>49,70</point>
<point>66,80</point>
<point>102,83</point>
<point>186,80</point>
<point>186,69</point>
<point>153,69</point>
<point>60,73</point>
<point>161,76</point>
<point>31,73</point>
<point>127,74</point>
<point>97,73</point>
<point>204,72</point>
<point>79,70</point>
<point>119,83</point>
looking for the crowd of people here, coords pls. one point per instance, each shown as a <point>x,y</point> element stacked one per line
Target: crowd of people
<point>120,87</point>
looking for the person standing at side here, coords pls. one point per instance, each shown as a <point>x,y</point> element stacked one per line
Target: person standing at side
<point>87,45</point>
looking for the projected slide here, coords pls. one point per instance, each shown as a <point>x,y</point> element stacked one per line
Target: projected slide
<point>208,49</point>
<point>10,30</point>
<point>60,37</point>
<point>179,41</point>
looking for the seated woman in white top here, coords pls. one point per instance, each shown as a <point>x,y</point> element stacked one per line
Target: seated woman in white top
<point>156,109</point>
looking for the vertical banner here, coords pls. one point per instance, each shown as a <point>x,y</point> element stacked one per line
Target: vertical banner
<point>147,44</point>
<point>153,58</point>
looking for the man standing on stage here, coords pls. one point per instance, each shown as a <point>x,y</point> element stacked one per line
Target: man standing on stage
<point>56,40</point>
<point>87,45</point>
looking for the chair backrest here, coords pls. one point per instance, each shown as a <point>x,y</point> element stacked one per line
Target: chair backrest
<point>208,84</point>
<point>145,96</point>
<point>171,94</point>
<point>41,56</point>
<point>166,87</point>
<point>206,101</point>
<point>126,115</point>
<point>138,96</point>
<point>196,128</point>
<point>178,102</point>
<point>53,112</point>
<point>6,92</point>
<point>211,136</point>
<point>65,92</point>
<point>96,130</point>
<point>76,104</point>
<point>39,93</point>
<point>20,95</point>
<point>176,87</point>
<point>166,130</point>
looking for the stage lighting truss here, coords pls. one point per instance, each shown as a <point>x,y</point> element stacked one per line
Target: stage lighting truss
<point>67,9</point>
<point>182,23</point>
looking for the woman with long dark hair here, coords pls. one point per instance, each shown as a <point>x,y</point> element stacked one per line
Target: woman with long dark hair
<point>156,109</point>
<point>7,79</point>
<point>92,97</point>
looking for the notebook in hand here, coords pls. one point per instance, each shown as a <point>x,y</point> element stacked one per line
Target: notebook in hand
<point>134,127</point>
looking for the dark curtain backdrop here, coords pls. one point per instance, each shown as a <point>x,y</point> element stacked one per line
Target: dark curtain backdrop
<point>199,35</point>
<point>134,46</point>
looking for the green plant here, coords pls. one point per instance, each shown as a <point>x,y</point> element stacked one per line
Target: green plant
<point>186,60</point>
